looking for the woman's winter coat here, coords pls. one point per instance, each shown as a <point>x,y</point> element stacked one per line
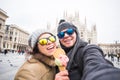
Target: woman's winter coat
<point>38,67</point>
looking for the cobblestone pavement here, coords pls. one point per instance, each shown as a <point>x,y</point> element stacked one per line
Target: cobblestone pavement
<point>10,63</point>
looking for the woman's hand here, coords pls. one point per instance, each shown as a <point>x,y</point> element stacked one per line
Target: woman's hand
<point>62,75</point>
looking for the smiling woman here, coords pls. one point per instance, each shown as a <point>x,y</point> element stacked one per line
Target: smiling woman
<point>41,65</point>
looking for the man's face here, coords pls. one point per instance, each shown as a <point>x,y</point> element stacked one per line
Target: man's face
<point>68,40</point>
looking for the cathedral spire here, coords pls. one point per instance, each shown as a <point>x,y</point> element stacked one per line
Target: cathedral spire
<point>65,14</point>
<point>48,26</point>
<point>85,21</point>
<point>77,15</point>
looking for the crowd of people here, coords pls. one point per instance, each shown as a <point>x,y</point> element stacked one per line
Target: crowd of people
<point>86,61</point>
<point>5,51</point>
<point>113,56</point>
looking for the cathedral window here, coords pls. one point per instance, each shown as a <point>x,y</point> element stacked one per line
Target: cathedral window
<point>81,34</point>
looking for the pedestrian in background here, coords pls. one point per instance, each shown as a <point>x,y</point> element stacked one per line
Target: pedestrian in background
<point>118,57</point>
<point>41,65</point>
<point>86,62</point>
<point>5,51</point>
<point>112,56</point>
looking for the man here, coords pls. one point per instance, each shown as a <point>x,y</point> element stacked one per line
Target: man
<point>86,62</point>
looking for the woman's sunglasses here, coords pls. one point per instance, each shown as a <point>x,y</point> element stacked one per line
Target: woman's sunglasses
<point>44,41</point>
<point>68,31</point>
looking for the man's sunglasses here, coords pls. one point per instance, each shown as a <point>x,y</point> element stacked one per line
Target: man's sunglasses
<point>68,31</point>
<point>44,41</point>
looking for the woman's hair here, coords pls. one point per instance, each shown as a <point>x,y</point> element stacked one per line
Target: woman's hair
<point>35,49</point>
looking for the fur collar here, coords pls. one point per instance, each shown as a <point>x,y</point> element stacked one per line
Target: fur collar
<point>47,60</point>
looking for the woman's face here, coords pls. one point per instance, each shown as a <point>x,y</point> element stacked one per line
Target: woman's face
<point>49,48</point>
<point>68,40</point>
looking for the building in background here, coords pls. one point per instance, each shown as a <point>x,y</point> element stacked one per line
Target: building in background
<point>3,17</point>
<point>12,37</point>
<point>87,35</point>
<point>15,39</point>
<point>111,48</point>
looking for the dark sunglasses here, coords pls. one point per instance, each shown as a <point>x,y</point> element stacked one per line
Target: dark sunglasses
<point>44,41</point>
<point>68,31</point>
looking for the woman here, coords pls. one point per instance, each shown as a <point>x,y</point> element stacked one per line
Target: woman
<point>41,66</point>
<point>86,62</point>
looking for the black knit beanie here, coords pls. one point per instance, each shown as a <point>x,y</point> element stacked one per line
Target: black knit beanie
<point>65,25</point>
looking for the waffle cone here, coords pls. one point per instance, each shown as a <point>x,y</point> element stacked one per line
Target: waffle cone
<point>62,68</point>
<point>56,55</point>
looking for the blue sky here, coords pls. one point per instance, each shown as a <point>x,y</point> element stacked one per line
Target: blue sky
<point>33,14</point>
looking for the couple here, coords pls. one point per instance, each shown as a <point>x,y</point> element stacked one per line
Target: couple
<point>86,62</point>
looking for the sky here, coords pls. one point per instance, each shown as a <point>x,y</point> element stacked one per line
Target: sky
<point>33,14</point>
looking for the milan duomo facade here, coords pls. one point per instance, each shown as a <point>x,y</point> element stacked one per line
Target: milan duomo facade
<point>87,35</point>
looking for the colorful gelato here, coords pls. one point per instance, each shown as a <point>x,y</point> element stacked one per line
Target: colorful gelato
<point>61,59</point>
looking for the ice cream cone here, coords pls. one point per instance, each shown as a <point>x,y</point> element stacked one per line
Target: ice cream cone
<point>58,61</point>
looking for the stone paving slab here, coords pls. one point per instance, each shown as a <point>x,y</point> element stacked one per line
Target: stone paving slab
<point>9,64</point>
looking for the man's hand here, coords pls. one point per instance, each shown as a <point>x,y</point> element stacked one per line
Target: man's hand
<point>62,75</point>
